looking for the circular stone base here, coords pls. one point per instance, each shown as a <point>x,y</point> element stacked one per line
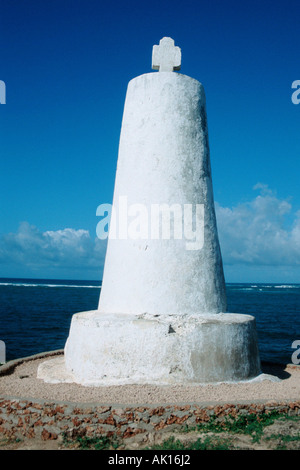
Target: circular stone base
<point>117,349</point>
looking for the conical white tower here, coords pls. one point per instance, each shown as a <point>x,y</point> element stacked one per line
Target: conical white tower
<point>161,317</point>
<point>164,165</point>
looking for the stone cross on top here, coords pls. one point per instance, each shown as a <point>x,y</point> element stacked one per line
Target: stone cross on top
<point>166,57</point>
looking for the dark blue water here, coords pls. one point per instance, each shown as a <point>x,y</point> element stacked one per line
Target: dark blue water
<point>276,308</point>
<point>35,315</point>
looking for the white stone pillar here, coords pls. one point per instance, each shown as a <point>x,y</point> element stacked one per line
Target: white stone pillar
<point>162,310</point>
<point>164,159</point>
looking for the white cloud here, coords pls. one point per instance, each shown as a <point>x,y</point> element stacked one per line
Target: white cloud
<point>67,248</point>
<point>259,232</point>
<point>258,237</point>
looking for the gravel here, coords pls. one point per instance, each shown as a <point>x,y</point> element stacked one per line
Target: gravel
<point>18,379</point>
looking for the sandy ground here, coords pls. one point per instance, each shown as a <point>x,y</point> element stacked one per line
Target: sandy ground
<point>21,381</point>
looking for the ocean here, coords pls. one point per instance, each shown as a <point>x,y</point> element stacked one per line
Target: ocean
<point>35,314</point>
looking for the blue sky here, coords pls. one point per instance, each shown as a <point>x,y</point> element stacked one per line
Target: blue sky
<point>66,65</point>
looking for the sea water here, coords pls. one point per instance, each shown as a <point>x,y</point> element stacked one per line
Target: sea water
<point>35,314</point>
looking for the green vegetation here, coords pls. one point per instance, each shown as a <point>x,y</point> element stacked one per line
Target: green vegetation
<point>208,443</point>
<point>251,424</point>
<point>91,443</point>
<point>284,440</point>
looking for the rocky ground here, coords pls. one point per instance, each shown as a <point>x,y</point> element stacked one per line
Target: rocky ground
<point>280,383</point>
<point>283,434</point>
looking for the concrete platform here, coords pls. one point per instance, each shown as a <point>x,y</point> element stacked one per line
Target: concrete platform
<point>124,349</point>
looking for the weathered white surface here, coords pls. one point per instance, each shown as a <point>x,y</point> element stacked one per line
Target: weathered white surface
<point>166,57</point>
<point>118,349</point>
<point>160,318</point>
<point>54,371</point>
<point>164,159</point>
